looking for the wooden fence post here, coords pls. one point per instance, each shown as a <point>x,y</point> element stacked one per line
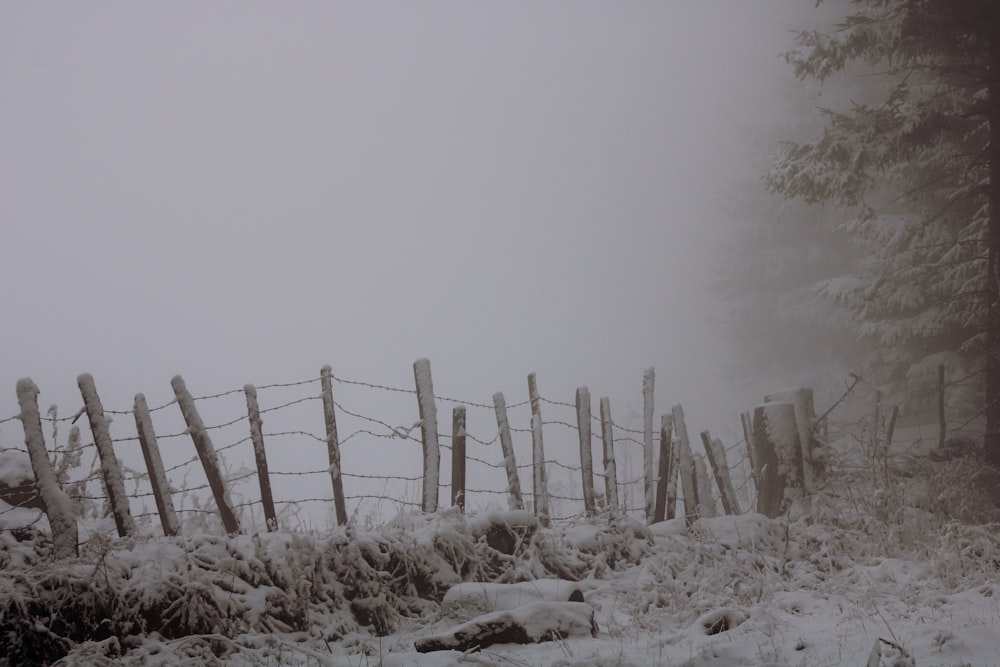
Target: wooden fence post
<point>610,467</point>
<point>428,433</point>
<point>685,464</point>
<point>776,441</point>
<point>586,454</point>
<point>942,425</point>
<point>154,465</point>
<point>110,469</point>
<point>648,381</point>
<point>805,418</point>
<point>703,487</point>
<point>720,469</point>
<point>667,465</point>
<point>333,444</point>
<point>206,452</point>
<point>58,506</point>
<point>458,436</point>
<point>260,456</point>
<point>538,478</point>
<point>514,499</point>
<point>746,421</point>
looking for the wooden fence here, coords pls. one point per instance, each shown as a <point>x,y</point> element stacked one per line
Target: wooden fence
<point>675,461</point>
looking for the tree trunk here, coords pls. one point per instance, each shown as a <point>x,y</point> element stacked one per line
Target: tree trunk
<point>992,384</point>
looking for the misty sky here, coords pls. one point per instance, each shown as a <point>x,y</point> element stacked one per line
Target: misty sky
<point>243,192</point>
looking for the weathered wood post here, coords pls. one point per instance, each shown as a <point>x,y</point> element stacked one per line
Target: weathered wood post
<point>648,381</point>
<point>586,454</point>
<point>685,464</point>
<point>720,469</point>
<point>333,444</point>
<point>746,421</point>
<point>428,433</point>
<point>260,456</point>
<point>805,418</point>
<point>58,506</point>
<point>514,500</point>
<point>703,487</point>
<point>154,464</point>
<point>206,452</point>
<point>942,425</point>
<point>458,436</point>
<point>667,467</point>
<point>110,469</point>
<point>776,441</point>
<point>538,478</point>
<point>610,467</point>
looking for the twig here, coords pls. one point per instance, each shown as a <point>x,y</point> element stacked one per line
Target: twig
<point>856,379</point>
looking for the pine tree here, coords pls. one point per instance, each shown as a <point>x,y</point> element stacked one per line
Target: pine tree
<point>918,165</point>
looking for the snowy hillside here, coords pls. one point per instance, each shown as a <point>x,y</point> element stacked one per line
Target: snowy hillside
<point>744,590</point>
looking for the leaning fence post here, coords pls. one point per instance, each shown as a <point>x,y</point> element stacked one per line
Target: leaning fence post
<point>538,478</point>
<point>333,444</point>
<point>206,452</point>
<point>648,380</point>
<point>586,455</point>
<point>428,433</point>
<point>110,469</point>
<point>260,456</point>
<point>610,467</point>
<point>507,447</point>
<point>458,456</point>
<point>154,464</point>
<point>746,421</point>
<point>685,464</point>
<point>667,466</point>
<point>703,487</point>
<point>58,506</point>
<point>801,399</point>
<point>720,469</point>
<point>776,440</point>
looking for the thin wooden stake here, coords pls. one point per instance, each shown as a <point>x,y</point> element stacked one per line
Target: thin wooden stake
<point>428,433</point>
<point>746,421</point>
<point>206,452</point>
<point>260,456</point>
<point>111,471</point>
<point>58,506</point>
<point>333,444</point>
<point>942,426</point>
<point>663,480</point>
<point>610,467</point>
<point>685,465</point>
<point>586,454</point>
<point>154,465</point>
<point>720,470</point>
<point>648,382</point>
<point>539,482</point>
<point>458,436</point>
<point>514,499</point>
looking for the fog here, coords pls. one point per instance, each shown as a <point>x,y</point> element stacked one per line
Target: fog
<point>244,192</point>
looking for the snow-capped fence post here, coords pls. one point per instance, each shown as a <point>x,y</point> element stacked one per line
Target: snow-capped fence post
<point>703,487</point>
<point>648,381</point>
<point>610,467</point>
<point>458,456</point>
<point>154,465</point>
<point>667,469</point>
<point>333,444</point>
<point>58,506</point>
<point>746,421</point>
<point>538,478</point>
<point>586,454</point>
<point>685,465</point>
<point>110,469</point>
<point>260,456</point>
<point>514,499</point>
<point>428,433</point>
<point>720,469</point>
<point>805,419</point>
<point>206,452</point>
<point>776,441</point>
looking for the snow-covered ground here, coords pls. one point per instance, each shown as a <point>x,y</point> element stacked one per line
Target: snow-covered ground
<point>744,590</point>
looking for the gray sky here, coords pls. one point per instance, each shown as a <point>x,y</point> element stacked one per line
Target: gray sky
<point>243,192</point>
